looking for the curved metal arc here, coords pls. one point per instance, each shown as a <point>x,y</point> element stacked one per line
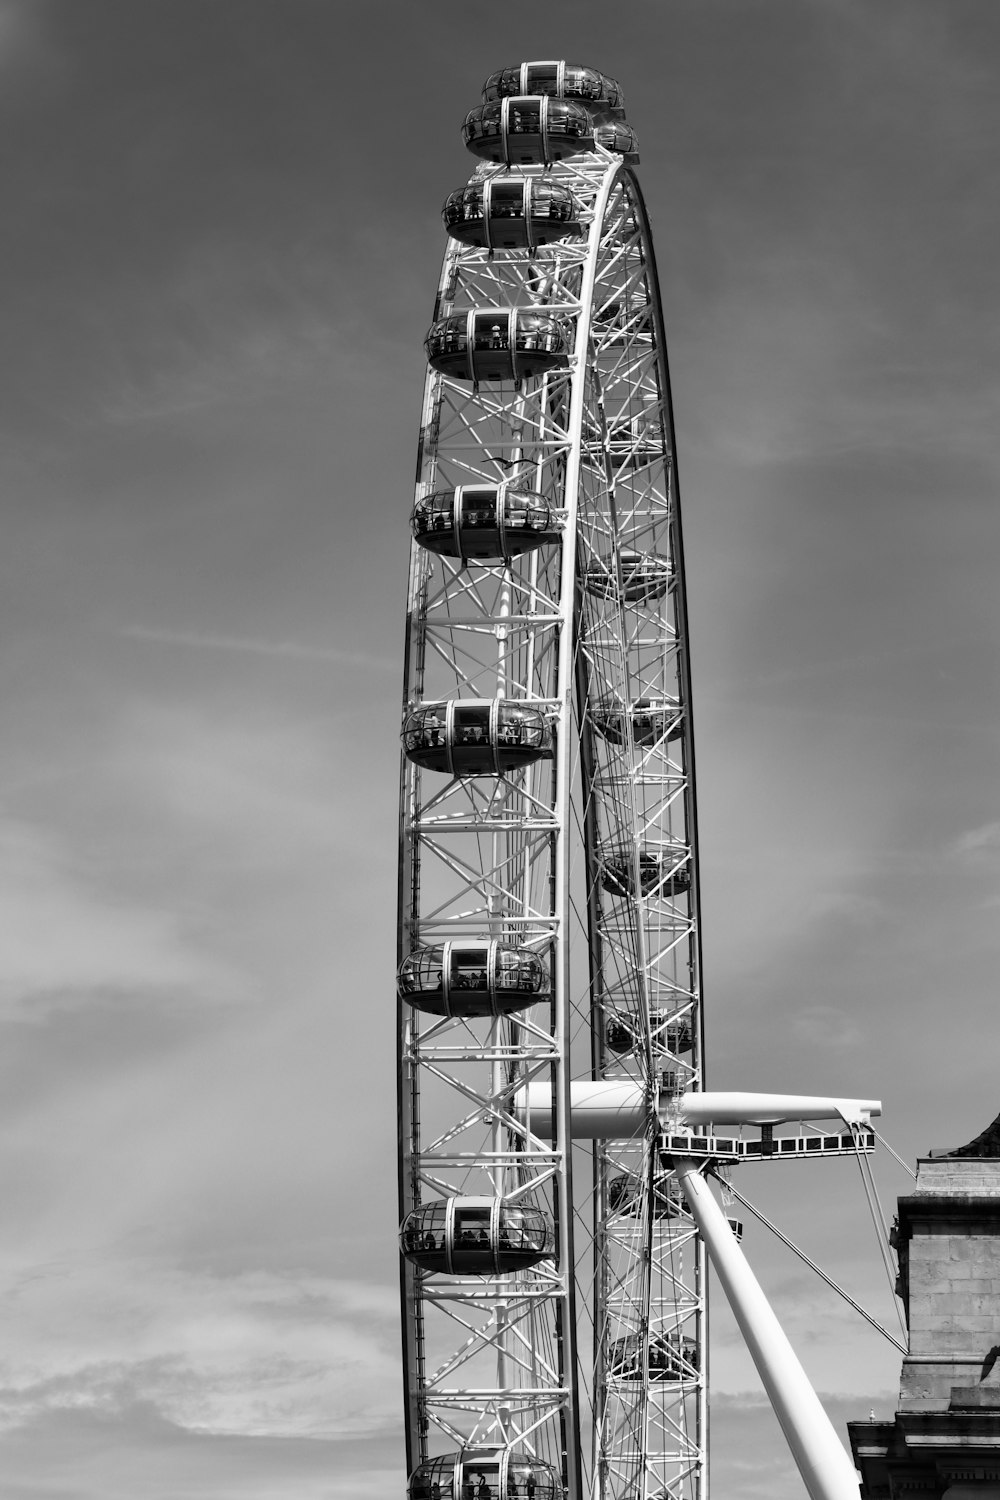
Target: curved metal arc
<point>566,682</point>
<point>680,594</point>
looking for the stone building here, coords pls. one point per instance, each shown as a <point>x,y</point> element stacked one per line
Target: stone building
<point>944,1443</point>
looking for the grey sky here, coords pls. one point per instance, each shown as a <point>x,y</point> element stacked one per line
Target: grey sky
<point>219,257</point>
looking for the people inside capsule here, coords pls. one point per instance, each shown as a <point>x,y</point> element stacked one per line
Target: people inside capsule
<point>474,737</point>
<point>646,576</point>
<point>498,343</point>
<point>601,95</point>
<point>652,719</point>
<point>473,979</point>
<point>511,213</point>
<point>483,522</point>
<point>668,1033</point>
<point>626,1195</point>
<point>476,1236</point>
<point>472,1475</point>
<point>518,131</point>
<point>670,1357</point>
<point>663,871</point>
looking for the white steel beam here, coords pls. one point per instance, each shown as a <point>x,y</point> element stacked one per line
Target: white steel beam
<point>826,1470</point>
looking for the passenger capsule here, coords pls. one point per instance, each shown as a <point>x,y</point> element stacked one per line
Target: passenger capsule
<point>476,1236</point>
<point>521,131</point>
<point>484,522</point>
<point>473,979</point>
<point>634,444</point>
<point>622,1033</point>
<point>671,1357</point>
<point>512,213</point>
<point>491,1475</point>
<point>645,576</point>
<point>653,720</point>
<point>600,95</point>
<point>621,139</point>
<point>476,736</point>
<point>626,1194</point>
<point>663,871</point>
<point>499,343</point>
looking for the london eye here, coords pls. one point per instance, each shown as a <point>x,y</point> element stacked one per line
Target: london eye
<point>552,1215</point>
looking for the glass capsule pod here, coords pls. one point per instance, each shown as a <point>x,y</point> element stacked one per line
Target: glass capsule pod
<point>473,979</point>
<point>511,213</point>
<point>520,131</point>
<point>484,522</point>
<point>625,1196</point>
<point>663,871</point>
<point>645,576</point>
<point>476,1236</point>
<point>622,1033</point>
<point>615,321</point>
<point>498,343</point>
<point>634,444</point>
<point>653,720</point>
<point>620,138</point>
<point>476,736</point>
<point>600,95</point>
<point>484,1475</point>
<point>671,1357</point>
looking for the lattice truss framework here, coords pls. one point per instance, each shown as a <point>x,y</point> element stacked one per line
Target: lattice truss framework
<point>556,1361</point>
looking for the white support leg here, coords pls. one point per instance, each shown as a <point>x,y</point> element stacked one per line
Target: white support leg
<point>826,1470</point>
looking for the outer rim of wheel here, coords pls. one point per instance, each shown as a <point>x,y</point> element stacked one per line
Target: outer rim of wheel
<point>412,1331</point>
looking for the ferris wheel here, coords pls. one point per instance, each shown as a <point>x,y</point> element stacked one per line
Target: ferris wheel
<point>554,1132</point>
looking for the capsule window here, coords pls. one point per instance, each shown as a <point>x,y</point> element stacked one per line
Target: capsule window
<point>469,969</point>
<point>479,508</point>
<point>475,737</point>
<point>554,203</point>
<point>525,117</point>
<point>507,199</point>
<point>476,1237</point>
<point>619,138</point>
<point>583,83</point>
<point>425,1233</point>
<point>480,1481</point>
<point>432,515</point>
<point>540,78</point>
<point>472,1227</point>
<point>484,979</point>
<point>472,725</point>
<point>484,1476</point>
<point>488,523</point>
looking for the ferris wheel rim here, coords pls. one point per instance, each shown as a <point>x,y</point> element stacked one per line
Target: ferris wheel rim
<point>615,174</point>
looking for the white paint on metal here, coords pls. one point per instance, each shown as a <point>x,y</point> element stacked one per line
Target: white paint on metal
<point>827,1472</point>
<point>620,1109</point>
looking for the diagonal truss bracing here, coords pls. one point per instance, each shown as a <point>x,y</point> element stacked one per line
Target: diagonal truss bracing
<point>593,1360</point>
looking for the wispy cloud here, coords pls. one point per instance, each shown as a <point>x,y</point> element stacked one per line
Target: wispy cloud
<point>249,645</point>
<point>979,847</point>
<point>825,1026</point>
<point>65,938</point>
<point>259,1354</point>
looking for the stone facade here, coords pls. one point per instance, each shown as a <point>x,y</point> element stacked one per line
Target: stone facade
<point>944,1443</point>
